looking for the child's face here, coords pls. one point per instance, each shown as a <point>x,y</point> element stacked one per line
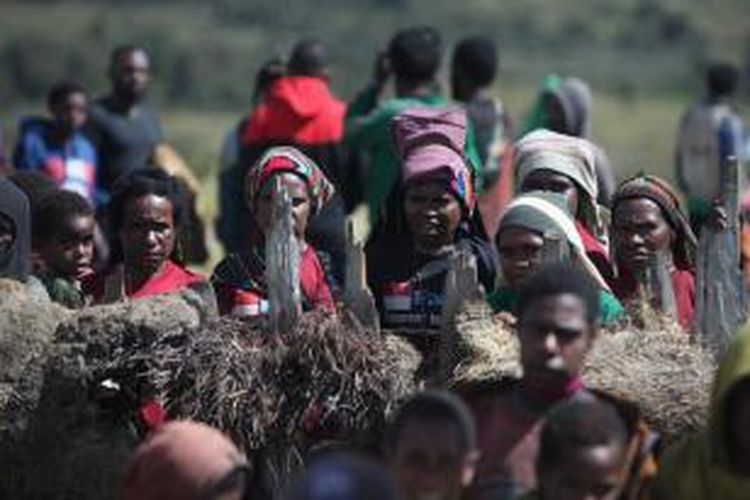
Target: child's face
<point>429,463</point>
<point>71,112</point>
<point>70,252</point>
<point>593,473</point>
<point>555,337</point>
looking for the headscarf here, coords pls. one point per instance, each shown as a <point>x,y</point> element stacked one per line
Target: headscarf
<point>698,467</point>
<point>660,192</point>
<point>572,157</point>
<point>574,96</point>
<point>286,159</point>
<point>16,262</point>
<point>546,213</point>
<point>181,461</point>
<point>537,117</point>
<point>430,144</point>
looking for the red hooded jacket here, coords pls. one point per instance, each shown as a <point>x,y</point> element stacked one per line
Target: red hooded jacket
<point>298,109</point>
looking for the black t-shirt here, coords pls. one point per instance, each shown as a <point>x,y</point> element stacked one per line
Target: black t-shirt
<point>124,140</point>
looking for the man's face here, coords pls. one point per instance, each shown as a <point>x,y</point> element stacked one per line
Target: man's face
<point>299,195</point>
<point>433,214</point>
<point>147,235</point>
<point>593,473</point>
<point>521,252</point>
<point>131,74</point>
<point>71,113</point>
<point>640,231</point>
<point>70,252</point>
<point>555,337</point>
<point>547,180</point>
<point>429,463</point>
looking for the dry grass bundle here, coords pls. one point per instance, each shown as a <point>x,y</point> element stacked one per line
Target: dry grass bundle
<point>279,396</point>
<point>480,347</point>
<point>666,374</point>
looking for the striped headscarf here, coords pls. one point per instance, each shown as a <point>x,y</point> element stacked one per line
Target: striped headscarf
<point>286,159</point>
<point>660,192</point>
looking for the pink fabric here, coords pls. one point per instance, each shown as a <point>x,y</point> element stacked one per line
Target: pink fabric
<point>180,461</point>
<point>430,143</point>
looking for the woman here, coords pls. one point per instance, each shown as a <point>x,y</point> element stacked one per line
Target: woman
<point>186,461</point>
<point>647,220</point>
<point>564,106</point>
<point>549,161</point>
<point>407,275</point>
<point>239,280</point>
<point>145,214</point>
<point>537,230</point>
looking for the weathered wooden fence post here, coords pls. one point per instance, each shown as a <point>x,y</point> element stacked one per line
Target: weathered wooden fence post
<point>357,295</point>
<point>282,264</point>
<point>721,302</point>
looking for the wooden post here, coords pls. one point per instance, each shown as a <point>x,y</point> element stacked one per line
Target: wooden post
<point>357,295</point>
<point>282,264</point>
<point>721,302</point>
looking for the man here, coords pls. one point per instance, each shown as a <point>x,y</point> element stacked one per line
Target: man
<point>710,131</point>
<point>413,58</point>
<point>474,67</point>
<point>299,110</point>
<point>124,126</point>
<point>557,314</point>
<point>429,468</point>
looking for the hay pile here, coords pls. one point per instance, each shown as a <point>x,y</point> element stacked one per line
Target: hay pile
<point>666,374</point>
<point>73,442</point>
<point>279,396</point>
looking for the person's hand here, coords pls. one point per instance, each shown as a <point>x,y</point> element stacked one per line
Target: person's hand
<point>717,218</point>
<point>382,69</point>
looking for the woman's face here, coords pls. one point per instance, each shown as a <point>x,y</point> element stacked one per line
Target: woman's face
<point>299,195</point>
<point>521,253</point>
<point>147,235</point>
<point>640,231</point>
<point>547,180</point>
<point>432,214</point>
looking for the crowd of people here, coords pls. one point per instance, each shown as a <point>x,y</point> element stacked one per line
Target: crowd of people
<point>96,208</point>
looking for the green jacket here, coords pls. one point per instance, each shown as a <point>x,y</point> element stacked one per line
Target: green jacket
<point>504,299</point>
<point>368,130</point>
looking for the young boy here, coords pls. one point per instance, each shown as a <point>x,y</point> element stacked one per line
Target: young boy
<point>431,445</point>
<point>582,452</point>
<point>57,147</point>
<point>63,226</point>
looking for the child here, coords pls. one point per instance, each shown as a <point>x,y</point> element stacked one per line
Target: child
<point>64,238</point>
<point>582,452</point>
<point>57,147</point>
<point>426,467</point>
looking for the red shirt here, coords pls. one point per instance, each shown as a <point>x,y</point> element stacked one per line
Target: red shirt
<point>244,299</point>
<point>597,253</point>
<point>172,278</point>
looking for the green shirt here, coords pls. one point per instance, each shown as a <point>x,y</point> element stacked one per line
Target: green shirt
<point>368,129</point>
<point>504,299</point>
